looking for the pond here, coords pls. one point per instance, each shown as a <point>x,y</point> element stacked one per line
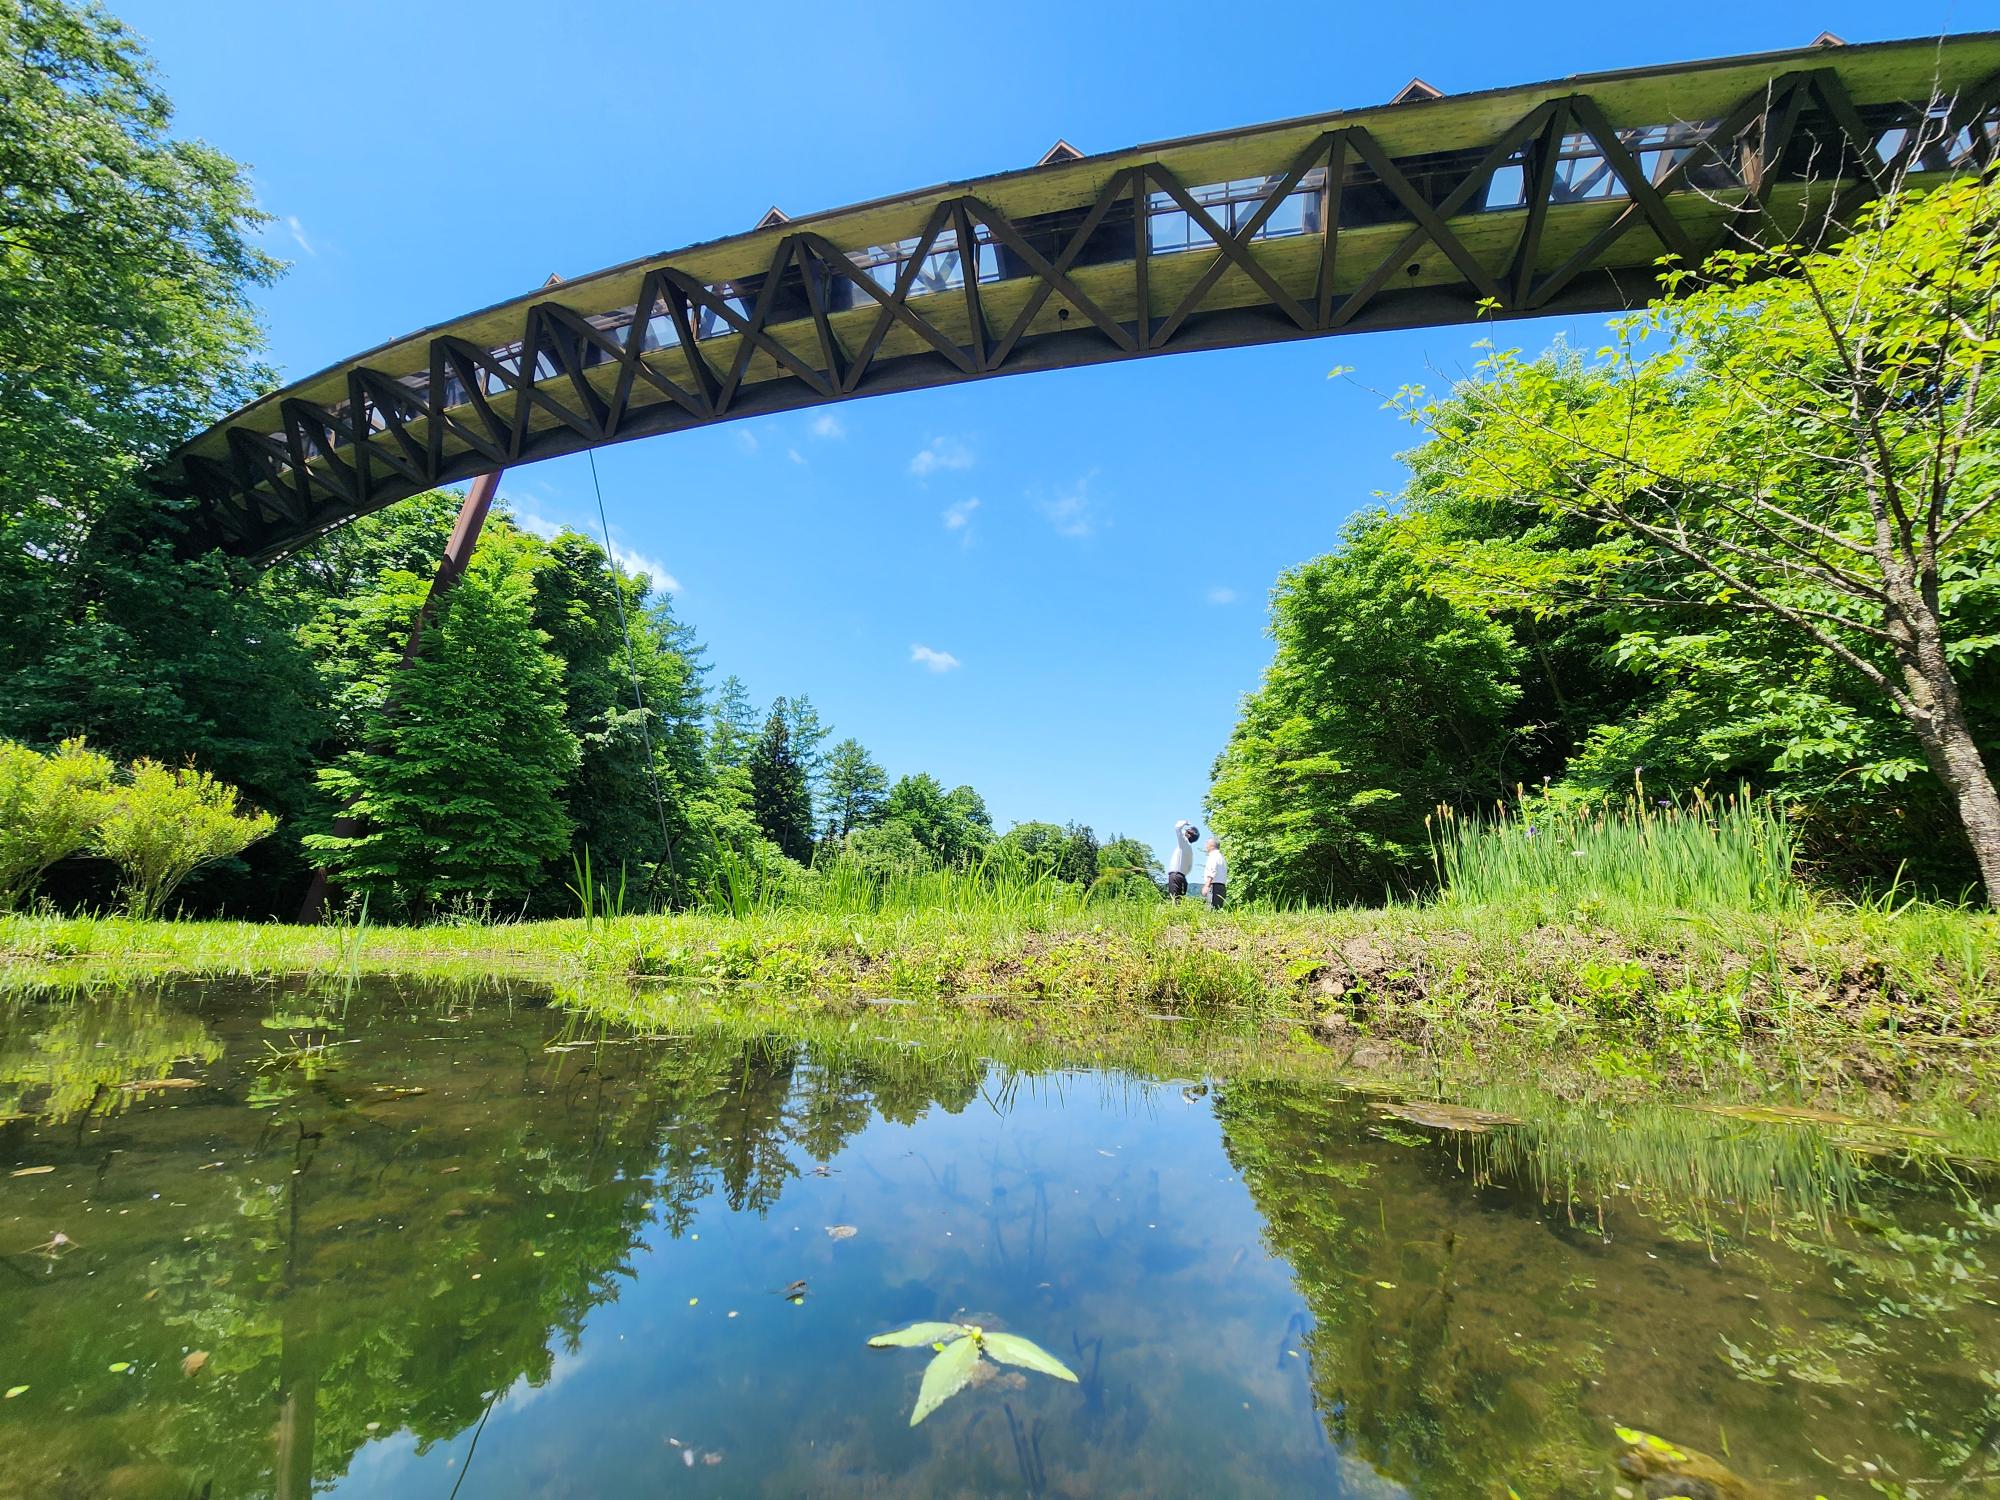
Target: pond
<point>399,1242</point>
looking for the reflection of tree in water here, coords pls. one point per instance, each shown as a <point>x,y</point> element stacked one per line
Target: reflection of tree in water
<point>66,1058</point>
<point>385,1245</point>
<point>1487,1306</point>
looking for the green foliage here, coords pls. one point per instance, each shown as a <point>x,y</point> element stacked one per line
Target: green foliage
<point>164,824</point>
<point>127,269</point>
<point>808,741</point>
<point>1383,701</point>
<point>1681,557</point>
<point>732,723</point>
<point>610,796</point>
<point>1789,471</point>
<point>50,806</point>
<point>857,790</point>
<point>1128,867</point>
<point>459,777</point>
<point>780,796</point>
<point>1069,853</point>
<point>950,826</point>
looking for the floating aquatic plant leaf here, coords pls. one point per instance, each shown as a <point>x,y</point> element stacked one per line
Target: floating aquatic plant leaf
<point>945,1376</point>
<point>119,1367</point>
<point>15,1390</point>
<point>1012,1349</point>
<point>915,1335</point>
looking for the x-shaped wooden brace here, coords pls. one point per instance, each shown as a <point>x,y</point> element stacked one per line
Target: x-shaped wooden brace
<point>1430,223</point>
<point>1232,249</point>
<point>633,367</point>
<point>894,305</point>
<point>371,390</point>
<point>306,421</point>
<point>467,363</point>
<point>1647,200</point>
<point>1055,277</point>
<point>527,389</point>
<point>750,329</point>
<point>260,463</point>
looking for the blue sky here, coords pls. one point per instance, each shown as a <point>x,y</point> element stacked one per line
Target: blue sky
<point>1053,587</point>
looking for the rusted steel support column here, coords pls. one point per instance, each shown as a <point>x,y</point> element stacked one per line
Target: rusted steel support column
<point>457,554</point>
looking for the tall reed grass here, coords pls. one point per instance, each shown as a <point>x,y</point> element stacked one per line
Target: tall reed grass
<point>1730,853</point>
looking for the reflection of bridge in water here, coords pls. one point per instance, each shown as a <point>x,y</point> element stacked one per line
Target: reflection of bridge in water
<point>1545,199</point>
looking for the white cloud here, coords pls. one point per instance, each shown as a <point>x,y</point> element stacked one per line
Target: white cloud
<point>1071,511</point>
<point>746,440</point>
<point>958,517</point>
<point>943,453</point>
<point>630,563</point>
<point>795,456</point>
<point>1221,594</point>
<point>299,234</point>
<point>934,661</point>
<point>534,522</point>
<point>827,425</point>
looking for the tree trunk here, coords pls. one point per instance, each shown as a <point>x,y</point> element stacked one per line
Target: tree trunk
<point>1954,756</point>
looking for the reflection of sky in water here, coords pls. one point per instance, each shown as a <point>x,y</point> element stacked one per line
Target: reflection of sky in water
<point>1105,1223</point>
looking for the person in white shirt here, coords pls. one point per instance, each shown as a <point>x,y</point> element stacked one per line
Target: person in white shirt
<point>1215,876</point>
<point>1180,858</point>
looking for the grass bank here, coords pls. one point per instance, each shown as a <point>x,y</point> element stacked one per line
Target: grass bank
<point>1824,1000</point>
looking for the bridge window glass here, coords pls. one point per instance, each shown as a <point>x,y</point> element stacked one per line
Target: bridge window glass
<point>1509,185</point>
<point>660,330</point>
<point>942,270</point>
<point>710,324</point>
<point>1233,206</point>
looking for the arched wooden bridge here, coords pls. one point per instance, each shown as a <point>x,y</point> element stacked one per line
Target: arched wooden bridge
<point>1549,198</point>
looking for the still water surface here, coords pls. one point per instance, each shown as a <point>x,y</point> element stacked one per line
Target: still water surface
<point>409,1243</point>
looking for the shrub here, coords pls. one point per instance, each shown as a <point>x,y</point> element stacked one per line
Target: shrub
<point>164,825</point>
<point>49,807</point>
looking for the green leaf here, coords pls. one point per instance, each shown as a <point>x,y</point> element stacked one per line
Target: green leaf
<point>916,1334</point>
<point>1012,1349</point>
<point>944,1377</point>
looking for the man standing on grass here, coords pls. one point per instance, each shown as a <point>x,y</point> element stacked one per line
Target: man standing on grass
<point>1215,876</point>
<point>1180,858</point>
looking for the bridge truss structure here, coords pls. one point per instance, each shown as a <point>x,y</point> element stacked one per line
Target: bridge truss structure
<point>1556,198</point>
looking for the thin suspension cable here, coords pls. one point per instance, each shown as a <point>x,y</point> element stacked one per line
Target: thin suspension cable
<point>632,665</point>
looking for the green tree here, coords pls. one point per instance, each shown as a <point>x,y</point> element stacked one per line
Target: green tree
<point>611,796</point>
<point>127,268</point>
<point>1037,843</point>
<point>1128,867</point>
<point>1383,701</point>
<point>1804,440</point>
<point>857,789</point>
<point>809,736</point>
<point>778,794</point>
<point>732,723</point>
<point>459,774</point>
<point>1069,853</point>
<point>950,826</point>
